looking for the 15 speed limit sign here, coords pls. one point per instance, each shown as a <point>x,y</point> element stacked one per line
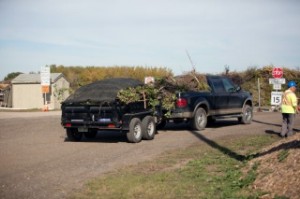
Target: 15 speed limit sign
<point>276,98</point>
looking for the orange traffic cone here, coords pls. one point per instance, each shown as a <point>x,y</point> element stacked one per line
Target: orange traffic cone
<point>45,109</point>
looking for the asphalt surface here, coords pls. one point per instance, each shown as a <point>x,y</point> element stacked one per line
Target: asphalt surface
<point>38,162</point>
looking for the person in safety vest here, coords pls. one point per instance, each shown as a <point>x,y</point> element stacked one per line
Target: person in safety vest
<point>289,108</point>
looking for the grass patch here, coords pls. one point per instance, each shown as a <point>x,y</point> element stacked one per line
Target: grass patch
<point>199,171</point>
<point>282,155</point>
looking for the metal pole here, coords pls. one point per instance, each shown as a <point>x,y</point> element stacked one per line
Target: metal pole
<point>44,101</point>
<point>258,86</point>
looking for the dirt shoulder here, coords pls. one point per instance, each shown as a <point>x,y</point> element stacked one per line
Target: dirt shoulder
<point>279,168</point>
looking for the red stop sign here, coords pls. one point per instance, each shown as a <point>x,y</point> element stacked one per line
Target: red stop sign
<point>277,72</point>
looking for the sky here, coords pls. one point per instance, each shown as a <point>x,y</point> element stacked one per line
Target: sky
<point>157,33</point>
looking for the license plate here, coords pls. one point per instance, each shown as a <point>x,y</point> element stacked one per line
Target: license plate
<point>82,129</point>
<point>76,120</point>
<point>104,120</point>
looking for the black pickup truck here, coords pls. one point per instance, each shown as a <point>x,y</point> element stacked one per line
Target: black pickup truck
<point>223,99</point>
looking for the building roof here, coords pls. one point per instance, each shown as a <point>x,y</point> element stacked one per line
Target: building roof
<point>34,78</point>
<point>3,86</point>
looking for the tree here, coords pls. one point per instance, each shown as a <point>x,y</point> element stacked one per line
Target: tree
<point>11,76</point>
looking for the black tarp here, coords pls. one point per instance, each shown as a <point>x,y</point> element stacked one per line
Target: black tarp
<point>101,91</point>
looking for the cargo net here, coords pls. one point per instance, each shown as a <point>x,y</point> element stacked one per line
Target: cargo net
<point>101,91</point>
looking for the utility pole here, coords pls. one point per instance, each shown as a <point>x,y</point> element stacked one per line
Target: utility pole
<point>258,87</point>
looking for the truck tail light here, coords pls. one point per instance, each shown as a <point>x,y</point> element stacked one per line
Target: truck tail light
<point>68,125</point>
<point>111,126</point>
<point>181,102</point>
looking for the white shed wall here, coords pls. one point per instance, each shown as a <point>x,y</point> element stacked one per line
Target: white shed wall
<point>30,96</point>
<point>56,98</point>
<point>27,96</point>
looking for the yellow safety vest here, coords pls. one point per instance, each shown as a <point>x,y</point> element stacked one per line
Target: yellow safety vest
<point>289,102</point>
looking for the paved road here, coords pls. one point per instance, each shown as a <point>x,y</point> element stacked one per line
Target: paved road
<point>37,161</point>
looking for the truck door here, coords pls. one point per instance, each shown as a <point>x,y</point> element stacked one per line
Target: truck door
<point>220,99</point>
<point>234,97</point>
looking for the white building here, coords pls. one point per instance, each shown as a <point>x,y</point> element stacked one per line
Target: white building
<point>26,91</point>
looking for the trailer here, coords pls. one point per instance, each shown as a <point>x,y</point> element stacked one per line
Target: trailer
<point>95,108</point>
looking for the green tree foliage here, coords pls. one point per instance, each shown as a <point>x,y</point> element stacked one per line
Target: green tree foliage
<point>11,76</point>
<point>151,94</point>
<point>164,90</point>
<point>79,76</point>
<point>248,79</point>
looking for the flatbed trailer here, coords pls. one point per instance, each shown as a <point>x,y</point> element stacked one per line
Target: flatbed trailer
<point>88,117</point>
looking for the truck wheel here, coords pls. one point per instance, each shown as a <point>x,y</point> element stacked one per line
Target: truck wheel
<point>135,131</point>
<point>91,133</point>
<point>247,115</point>
<point>199,121</point>
<point>73,134</point>
<point>148,128</point>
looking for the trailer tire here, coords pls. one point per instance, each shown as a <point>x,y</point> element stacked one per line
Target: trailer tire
<point>199,121</point>
<point>134,135</point>
<point>73,134</point>
<point>91,133</point>
<point>148,128</point>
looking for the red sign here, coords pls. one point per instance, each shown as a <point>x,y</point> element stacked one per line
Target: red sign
<point>277,72</point>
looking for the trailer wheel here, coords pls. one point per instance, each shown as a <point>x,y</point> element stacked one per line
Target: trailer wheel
<point>134,134</point>
<point>73,134</point>
<point>199,121</point>
<point>91,133</point>
<point>148,128</point>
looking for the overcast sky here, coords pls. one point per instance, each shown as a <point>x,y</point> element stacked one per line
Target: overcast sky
<point>215,33</point>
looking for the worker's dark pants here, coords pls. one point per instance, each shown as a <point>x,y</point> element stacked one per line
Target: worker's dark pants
<point>287,124</point>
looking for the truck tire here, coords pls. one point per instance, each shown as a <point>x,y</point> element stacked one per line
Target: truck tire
<point>134,135</point>
<point>73,134</point>
<point>199,121</point>
<point>91,133</point>
<point>247,115</point>
<point>148,128</point>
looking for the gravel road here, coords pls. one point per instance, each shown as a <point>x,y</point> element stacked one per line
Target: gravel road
<point>38,162</point>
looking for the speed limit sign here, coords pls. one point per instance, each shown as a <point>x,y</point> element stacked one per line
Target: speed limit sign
<point>276,98</point>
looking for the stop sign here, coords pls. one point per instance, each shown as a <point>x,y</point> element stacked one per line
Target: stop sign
<point>277,72</point>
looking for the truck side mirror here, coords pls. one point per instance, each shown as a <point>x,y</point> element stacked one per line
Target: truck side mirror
<point>238,88</point>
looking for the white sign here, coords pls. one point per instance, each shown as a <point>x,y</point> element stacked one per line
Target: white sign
<point>45,75</point>
<point>276,86</point>
<point>276,98</point>
<point>276,80</point>
<point>149,80</point>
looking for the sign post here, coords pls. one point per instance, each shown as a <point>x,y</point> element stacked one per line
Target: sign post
<point>45,83</point>
<point>277,80</point>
